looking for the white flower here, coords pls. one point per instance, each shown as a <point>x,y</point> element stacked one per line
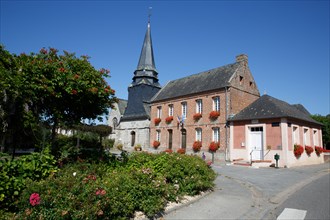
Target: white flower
<point>74,174</point>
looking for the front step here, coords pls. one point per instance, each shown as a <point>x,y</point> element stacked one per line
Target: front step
<point>242,163</point>
<point>255,163</point>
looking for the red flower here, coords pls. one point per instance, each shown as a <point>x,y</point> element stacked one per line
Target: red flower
<point>169,119</point>
<point>168,151</point>
<point>157,121</point>
<point>197,146</point>
<point>214,115</point>
<point>100,192</point>
<point>62,70</point>
<point>214,146</point>
<point>156,144</point>
<point>318,150</point>
<point>181,151</point>
<point>34,199</point>
<point>309,150</point>
<point>197,116</point>
<point>74,92</point>
<point>298,150</point>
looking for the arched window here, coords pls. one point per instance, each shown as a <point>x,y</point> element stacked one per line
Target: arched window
<point>132,138</point>
<point>114,123</point>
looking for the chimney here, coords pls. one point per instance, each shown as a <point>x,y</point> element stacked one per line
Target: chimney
<point>242,58</point>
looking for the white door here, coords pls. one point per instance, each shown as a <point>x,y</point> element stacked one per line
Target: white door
<point>255,143</point>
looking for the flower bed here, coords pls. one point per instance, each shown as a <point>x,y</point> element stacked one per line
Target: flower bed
<point>197,116</point>
<point>309,150</point>
<point>105,191</point>
<point>298,150</point>
<point>169,119</point>
<point>214,115</point>
<point>214,146</point>
<point>197,146</point>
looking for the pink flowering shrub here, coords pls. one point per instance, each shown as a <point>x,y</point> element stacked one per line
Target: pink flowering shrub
<point>34,199</point>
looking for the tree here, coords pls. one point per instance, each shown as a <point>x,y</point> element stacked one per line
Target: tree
<point>325,120</point>
<point>59,89</point>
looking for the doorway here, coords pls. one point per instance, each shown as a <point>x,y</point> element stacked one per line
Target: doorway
<point>256,143</point>
<point>183,138</point>
<point>170,138</point>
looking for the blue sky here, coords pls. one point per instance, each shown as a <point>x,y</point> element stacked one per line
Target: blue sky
<point>287,42</point>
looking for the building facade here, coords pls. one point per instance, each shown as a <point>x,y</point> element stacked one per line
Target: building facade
<point>196,108</point>
<point>270,126</point>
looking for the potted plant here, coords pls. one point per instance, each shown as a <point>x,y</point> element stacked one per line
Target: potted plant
<point>214,146</point>
<point>138,147</point>
<point>309,150</point>
<point>168,150</point>
<point>157,121</point>
<point>214,115</point>
<point>197,116</point>
<point>197,146</point>
<point>318,150</point>
<point>298,150</point>
<point>156,144</point>
<point>181,151</point>
<point>169,119</point>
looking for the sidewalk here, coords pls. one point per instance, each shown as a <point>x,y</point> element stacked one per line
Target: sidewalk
<point>249,193</point>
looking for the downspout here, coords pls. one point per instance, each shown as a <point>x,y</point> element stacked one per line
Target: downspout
<point>226,112</point>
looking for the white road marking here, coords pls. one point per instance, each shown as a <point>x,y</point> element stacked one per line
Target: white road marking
<point>291,214</point>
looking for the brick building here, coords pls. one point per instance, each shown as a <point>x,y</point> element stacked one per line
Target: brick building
<point>183,106</point>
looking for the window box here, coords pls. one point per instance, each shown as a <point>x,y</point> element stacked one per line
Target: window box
<point>197,146</point>
<point>214,146</point>
<point>309,150</point>
<point>318,150</point>
<point>169,119</point>
<point>214,115</point>
<point>181,151</point>
<point>156,144</point>
<point>197,116</point>
<point>157,121</point>
<point>298,150</point>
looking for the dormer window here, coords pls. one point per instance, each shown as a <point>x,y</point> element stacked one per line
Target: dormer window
<point>241,80</point>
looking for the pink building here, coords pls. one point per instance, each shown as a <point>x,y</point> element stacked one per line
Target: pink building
<point>270,126</point>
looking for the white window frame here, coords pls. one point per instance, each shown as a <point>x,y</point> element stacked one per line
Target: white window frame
<point>199,106</point>
<point>295,135</point>
<point>307,137</point>
<point>184,109</point>
<point>198,134</point>
<point>159,112</point>
<point>216,103</point>
<point>216,134</point>
<point>170,110</point>
<point>315,137</point>
<point>158,135</point>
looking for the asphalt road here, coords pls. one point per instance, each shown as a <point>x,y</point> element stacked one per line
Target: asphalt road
<point>313,198</point>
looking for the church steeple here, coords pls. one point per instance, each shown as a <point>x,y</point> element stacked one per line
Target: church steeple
<point>146,72</point>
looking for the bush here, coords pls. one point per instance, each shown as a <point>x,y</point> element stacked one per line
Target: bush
<point>145,183</point>
<point>14,173</point>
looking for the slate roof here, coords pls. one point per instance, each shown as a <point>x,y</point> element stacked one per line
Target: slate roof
<point>201,82</point>
<point>269,107</point>
<point>122,104</point>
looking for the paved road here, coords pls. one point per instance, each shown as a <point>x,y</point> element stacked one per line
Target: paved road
<point>249,193</point>
<point>313,198</point>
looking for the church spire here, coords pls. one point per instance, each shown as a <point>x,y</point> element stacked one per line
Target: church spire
<point>146,71</point>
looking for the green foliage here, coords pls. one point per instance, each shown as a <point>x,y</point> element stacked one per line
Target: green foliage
<point>144,182</point>
<point>325,120</point>
<point>14,173</point>
<point>48,88</point>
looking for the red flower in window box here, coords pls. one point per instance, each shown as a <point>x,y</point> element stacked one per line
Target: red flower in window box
<point>318,150</point>
<point>197,116</point>
<point>214,115</point>
<point>197,146</point>
<point>168,150</point>
<point>309,150</point>
<point>169,119</point>
<point>298,150</point>
<point>156,144</point>
<point>157,121</point>
<point>214,146</point>
<point>181,151</point>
